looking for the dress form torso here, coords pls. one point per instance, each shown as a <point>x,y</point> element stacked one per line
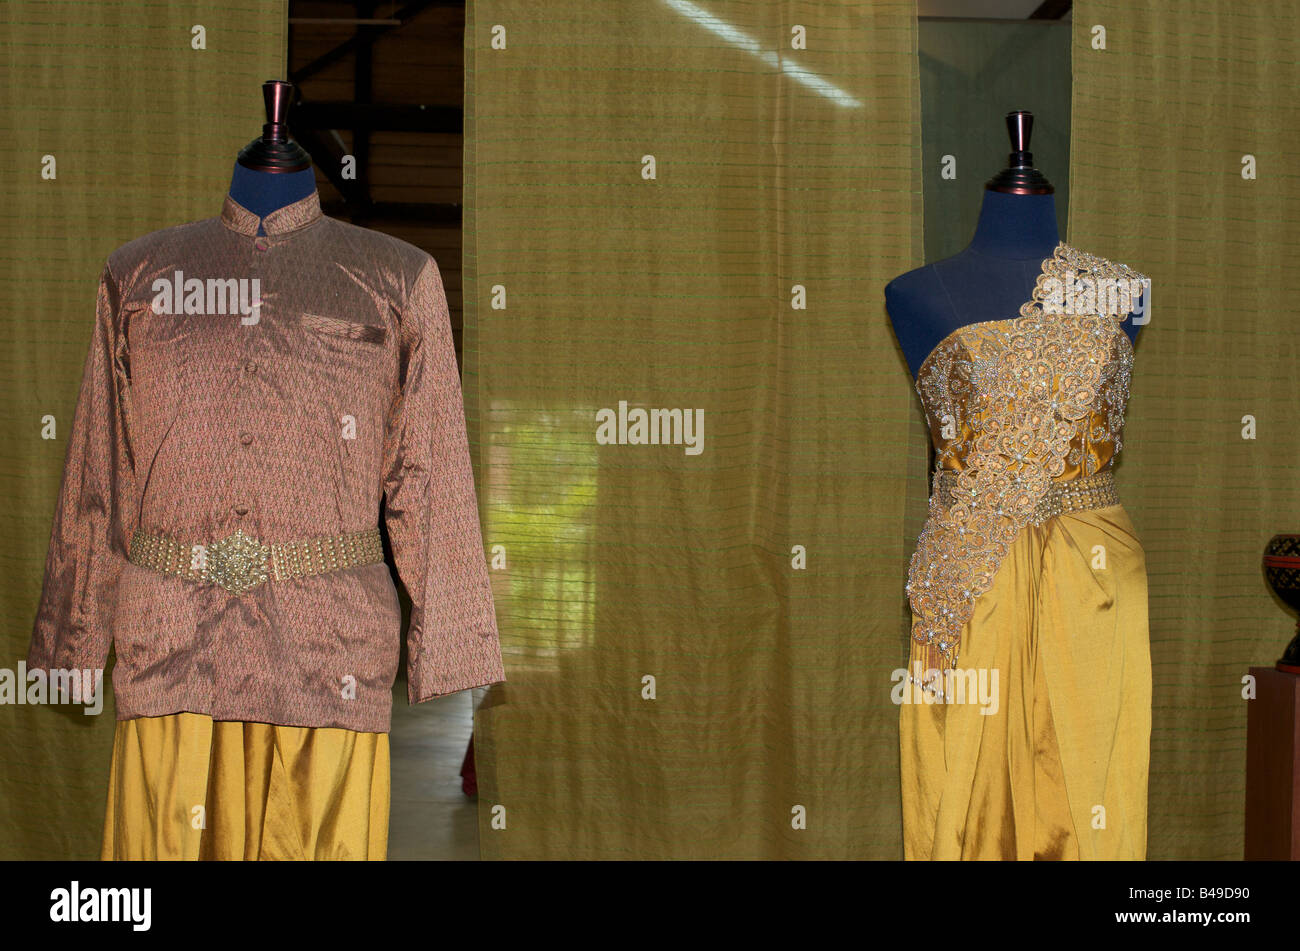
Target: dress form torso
<point>989,280</point>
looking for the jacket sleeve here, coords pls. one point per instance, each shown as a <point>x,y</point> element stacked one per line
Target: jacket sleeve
<point>431,510</point>
<point>95,509</point>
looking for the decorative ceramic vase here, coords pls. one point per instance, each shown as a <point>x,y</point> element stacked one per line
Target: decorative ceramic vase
<point>1282,570</point>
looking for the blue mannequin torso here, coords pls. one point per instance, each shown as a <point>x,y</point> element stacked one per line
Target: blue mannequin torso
<point>989,280</point>
<point>264,192</point>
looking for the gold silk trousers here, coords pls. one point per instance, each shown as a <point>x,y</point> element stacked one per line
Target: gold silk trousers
<point>184,786</point>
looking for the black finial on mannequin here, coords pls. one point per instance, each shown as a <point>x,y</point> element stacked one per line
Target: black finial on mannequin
<point>1020,177</point>
<point>275,152</point>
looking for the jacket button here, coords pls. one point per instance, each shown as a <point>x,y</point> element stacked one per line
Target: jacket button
<point>246,438</point>
<point>250,366</point>
<point>261,244</point>
<point>241,509</point>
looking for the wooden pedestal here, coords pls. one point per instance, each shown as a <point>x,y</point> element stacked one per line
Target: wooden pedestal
<point>1273,766</point>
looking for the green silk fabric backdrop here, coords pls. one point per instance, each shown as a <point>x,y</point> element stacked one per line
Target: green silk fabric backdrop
<point>143,129</point>
<point>1162,119</point>
<point>698,646</point>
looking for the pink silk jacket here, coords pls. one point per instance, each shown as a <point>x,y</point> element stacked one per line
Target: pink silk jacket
<point>280,384</point>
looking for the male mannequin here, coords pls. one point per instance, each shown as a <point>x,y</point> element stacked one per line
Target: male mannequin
<point>218,522</point>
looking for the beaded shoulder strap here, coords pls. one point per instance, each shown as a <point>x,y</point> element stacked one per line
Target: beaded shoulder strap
<point>1045,380</point>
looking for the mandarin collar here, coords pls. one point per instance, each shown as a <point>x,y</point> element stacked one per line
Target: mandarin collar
<point>293,217</point>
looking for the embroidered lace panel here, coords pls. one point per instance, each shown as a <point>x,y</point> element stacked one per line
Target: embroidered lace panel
<point>1022,400</point>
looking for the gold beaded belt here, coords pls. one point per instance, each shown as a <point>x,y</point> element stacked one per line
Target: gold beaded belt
<point>239,562</point>
<point>1077,495</point>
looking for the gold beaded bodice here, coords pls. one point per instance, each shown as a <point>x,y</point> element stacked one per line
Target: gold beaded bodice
<point>1016,408</point>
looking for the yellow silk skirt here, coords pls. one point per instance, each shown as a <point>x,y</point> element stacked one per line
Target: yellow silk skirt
<point>1057,769</point>
<point>185,787</point>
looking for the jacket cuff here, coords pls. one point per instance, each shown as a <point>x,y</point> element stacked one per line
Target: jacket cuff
<point>477,663</point>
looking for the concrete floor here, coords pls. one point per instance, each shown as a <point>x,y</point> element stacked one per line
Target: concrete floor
<point>430,817</point>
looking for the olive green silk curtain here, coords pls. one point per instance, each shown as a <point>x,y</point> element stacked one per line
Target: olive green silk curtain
<point>1185,132</point>
<point>687,212</point>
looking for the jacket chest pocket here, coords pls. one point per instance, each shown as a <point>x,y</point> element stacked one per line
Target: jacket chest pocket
<point>332,329</point>
<point>348,364</point>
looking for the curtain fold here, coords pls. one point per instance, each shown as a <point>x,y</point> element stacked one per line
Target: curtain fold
<point>115,120</point>
<point>1185,132</point>
<point>689,211</point>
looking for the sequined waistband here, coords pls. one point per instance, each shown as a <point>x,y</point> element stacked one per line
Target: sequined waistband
<point>1077,495</point>
<point>239,562</point>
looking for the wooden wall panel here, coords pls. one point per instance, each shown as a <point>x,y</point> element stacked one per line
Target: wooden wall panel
<point>420,62</point>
